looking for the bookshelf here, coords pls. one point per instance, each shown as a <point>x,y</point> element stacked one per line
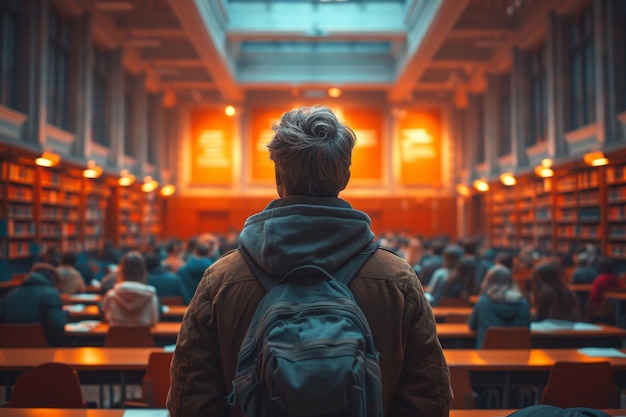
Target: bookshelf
<point>616,211</point>
<point>96,198</point>
<point>503,217</point>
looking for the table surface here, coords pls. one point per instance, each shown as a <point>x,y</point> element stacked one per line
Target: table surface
<point>444,331</point>
<point>116,359</point>
<point>84,358</point>
<point>58,412</point>
<point>92,312</point>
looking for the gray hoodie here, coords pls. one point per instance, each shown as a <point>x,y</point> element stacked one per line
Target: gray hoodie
<point>131,303</point>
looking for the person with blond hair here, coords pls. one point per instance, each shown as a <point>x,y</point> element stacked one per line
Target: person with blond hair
<point>500,304</point>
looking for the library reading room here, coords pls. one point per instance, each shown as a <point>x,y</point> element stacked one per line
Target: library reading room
<point>159,157</point>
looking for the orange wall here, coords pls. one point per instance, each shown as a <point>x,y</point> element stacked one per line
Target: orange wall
<point>190,216</point>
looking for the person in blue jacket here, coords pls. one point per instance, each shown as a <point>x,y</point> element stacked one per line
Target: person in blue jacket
<point>500,304</point>
<point>36,300</point>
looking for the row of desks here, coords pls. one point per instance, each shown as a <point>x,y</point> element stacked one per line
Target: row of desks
<point>451,335</point>
<point>136,359</point>
<point>51,412</point>
<point>79,312</point>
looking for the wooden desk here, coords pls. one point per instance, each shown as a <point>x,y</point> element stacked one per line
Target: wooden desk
<point>584,289</point>
<point>443,313</point>
<point>618,297</point>
<point>82,359</point>
<point>7,286</point>
<point>521,360</point>
<point>90,299</point>
<point>165,333</point>
<point>93,412</point>
<point>459,335</point>
<point>92,312</point>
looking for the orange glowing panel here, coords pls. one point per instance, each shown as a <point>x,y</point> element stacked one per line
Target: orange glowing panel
<point>262,169</point>
<point>367,154</point>
<point>211,147</point>
<point>420,148</point>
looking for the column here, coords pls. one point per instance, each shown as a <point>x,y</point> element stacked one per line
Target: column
<point>157,131</point>
<point>82,86</point>
<point>492,123</point>
<point>140,121</point>
<point>604,70</point>
<point>557,85</point>
<point>519,108</point>
<point>116,109</point>
<point>38,12</point>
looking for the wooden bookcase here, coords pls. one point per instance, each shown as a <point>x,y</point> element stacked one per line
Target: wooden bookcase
<point>503,216</point>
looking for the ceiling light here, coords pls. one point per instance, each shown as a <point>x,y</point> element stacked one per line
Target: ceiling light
<point>334,92</point>
<point>126,178</point>
<point>92,170</point>
<point>149,184</point>
<point>463,189</point>
<point>230,111</point>
<point>48,159</point>
<point>508,179</point>
<point>168,190</point>
<point>481,185</point>
<point>543,172</point>
<point>595,159</point>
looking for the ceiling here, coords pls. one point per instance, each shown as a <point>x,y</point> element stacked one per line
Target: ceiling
<point>226,49</point>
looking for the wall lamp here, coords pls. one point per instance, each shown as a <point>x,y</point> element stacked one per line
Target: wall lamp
<point>545,169</point>
<point>463,189</point>
<point>595,159</point>
<point>149,184</point>
<point>48,159</point>
<point>508,179</point>
<point>92,170</point>
<point>168,190</point>
<point>481,185</point>
<point>126,178</point>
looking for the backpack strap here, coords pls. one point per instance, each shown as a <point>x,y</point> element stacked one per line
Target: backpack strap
<point>344,274</point>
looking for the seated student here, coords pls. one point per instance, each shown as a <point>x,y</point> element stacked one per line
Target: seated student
<point>71,280</point>
<point>584,272</point>
<point>553,300</point>
<point>461,282</point>
<point>36,300</point>
<point>452,255</point>
<point>191,273</point>
<point>131,302</point>
<point>606,279</point>
<point>500,304</point>
<point>173,260</point>
<point>167,283</point>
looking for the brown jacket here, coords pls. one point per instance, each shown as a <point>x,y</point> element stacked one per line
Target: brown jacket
<point>415,375</point>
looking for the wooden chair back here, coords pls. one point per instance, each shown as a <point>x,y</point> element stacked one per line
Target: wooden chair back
<point>49,385</point>
<point>156,382</point>
<point>129,336</point>
<point>174,300</point>
<point>22,335</point>
<point>462,389</point>
<point>507,338</point>
<point>581,384</point>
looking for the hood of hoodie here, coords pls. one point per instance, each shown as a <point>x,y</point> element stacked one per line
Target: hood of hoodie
<point>133,296</point>
<point>510,308</point>
<point>35,279</point>
<point>296,231</point>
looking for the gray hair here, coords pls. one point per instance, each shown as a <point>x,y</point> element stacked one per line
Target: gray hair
<point>312,152</point>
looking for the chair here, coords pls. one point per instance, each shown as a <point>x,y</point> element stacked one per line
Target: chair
<point>174,300</point>
<point>49,385</point>
<point>454,302</point>
<point>129,336</point>
<point>462,389</point>
<point>156,382</point>
<point>507,338</point>
<point>22,335</point>
<point>581,384</point>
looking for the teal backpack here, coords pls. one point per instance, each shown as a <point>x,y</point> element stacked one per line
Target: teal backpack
<point>309,350</point>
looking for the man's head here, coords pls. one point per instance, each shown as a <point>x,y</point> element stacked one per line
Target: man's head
<point>312,153</point>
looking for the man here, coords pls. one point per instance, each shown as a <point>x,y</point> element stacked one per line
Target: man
<point>191,273</point>
<point>309,224</point>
